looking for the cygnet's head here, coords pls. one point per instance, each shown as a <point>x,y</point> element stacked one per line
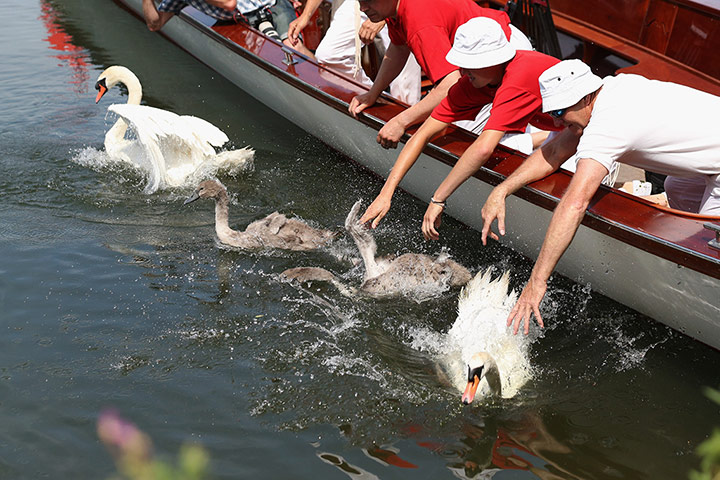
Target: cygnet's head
<point>478,366</point>
<point>455,274</point>
<point>207,189</point>
<point>110,77</point>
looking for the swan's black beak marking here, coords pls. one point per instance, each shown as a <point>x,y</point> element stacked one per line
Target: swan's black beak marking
<point>473,381</point>
<point>101,88</point>
<point>192,198</point>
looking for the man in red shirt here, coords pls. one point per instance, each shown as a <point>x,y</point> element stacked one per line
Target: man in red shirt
<point>426,28</point>
<point>493,72</point>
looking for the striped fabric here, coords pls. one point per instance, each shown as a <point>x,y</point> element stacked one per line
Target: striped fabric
<point>243,7</point>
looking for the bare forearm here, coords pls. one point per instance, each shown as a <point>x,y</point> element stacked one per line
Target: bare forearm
<point>410,153</point>
<point>541,163</point>
<point>391,66</point>
<point>567,217</point>
<point>563,225</point>
<point>422,110</point>
<point>470,162</point>
<point>155,20</point>
<point>310,7</point>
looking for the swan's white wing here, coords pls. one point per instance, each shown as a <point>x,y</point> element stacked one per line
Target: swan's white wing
<point>174,146</point>
<point>193,133</point>
<point>206,131</point>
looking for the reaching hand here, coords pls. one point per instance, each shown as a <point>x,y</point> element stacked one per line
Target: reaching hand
<point>361,102</point>
<point>390,134</point>
<point>296,26</point>
<point>376,211</point>
<point>369,30</point>
<point>494,208</point>
<point>431,222</point>
<point>528,304</point>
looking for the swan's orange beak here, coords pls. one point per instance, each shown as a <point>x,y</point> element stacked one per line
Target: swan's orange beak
<point>101,88</point>
<point>469,393</point>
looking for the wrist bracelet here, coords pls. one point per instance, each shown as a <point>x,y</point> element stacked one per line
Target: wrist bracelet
<point>442,204</point>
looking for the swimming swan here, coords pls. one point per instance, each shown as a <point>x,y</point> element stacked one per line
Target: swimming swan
<point>273,231</point>
<point>411,274</point>
<point>169,146</point>
<point>484,347</point>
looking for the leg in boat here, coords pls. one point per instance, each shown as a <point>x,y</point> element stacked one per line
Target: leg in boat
<point>685,194</point>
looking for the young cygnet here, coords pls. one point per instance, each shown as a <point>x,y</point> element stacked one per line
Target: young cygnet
<point>273,231</point>
<point>410,274</point>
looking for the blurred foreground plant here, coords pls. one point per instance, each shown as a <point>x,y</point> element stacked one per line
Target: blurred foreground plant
<point>133,453</point>
<point>709,450</point>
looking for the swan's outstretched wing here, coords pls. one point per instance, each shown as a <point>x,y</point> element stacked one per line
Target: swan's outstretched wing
<point>364,241</point>
<point>155,124</point>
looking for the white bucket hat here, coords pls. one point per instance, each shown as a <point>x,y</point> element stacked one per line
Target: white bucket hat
<point>566,83</point>
<point>480,43</point>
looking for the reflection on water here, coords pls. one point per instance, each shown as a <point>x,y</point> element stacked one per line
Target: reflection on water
<point>110,297</point>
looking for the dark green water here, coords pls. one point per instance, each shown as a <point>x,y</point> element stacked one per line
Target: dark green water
<point>113,298</point>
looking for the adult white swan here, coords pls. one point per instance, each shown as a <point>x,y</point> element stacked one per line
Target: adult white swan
<point>486,348</point>
<point>479,354</point>
<point>170,147</point>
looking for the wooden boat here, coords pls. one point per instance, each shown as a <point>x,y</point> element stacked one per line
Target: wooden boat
<point>662,264</point>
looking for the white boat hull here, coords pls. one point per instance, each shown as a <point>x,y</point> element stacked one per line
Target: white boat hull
<point>682,298</point>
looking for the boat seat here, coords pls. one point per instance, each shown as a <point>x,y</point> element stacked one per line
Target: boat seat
<point>644,59</point>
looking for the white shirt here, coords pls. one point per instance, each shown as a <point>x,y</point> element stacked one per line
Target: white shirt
<point>659,126</point>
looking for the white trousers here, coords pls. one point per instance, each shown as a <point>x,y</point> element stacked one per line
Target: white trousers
<point>337,50</point>
<point>694,194</point>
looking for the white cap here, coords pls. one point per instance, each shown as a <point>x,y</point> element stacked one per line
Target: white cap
<point>566,83</point>
<point>480,43</point>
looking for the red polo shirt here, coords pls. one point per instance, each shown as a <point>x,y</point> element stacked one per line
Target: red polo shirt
<point>428,28</point>
<point>516,101</point>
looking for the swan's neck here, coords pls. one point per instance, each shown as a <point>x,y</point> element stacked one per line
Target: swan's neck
<point>492,376</point>
<point>134,89</point>
<point>117,132</point>
<point>222,209</point>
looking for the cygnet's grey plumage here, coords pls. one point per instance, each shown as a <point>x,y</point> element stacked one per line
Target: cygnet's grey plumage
<point>410,274</point>
<point>273,231</point>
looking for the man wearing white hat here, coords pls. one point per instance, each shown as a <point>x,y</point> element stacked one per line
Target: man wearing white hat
<point>493,73</point>
<point>617,119</point>
<point>425,28</point>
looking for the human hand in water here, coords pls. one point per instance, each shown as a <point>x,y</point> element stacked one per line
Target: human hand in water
<point>369,30</point>
<point>527,305</point>
<point>361,102</point>
<point>431,221</point>
<point>377,210</point>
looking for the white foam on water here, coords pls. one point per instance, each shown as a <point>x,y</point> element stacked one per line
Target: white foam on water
<point>483,307</point>
<point>172,171</point>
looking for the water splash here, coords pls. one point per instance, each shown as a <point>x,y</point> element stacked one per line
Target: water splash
<point>176,173</point>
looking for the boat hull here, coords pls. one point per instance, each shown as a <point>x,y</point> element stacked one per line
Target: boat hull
<point>681,297</point>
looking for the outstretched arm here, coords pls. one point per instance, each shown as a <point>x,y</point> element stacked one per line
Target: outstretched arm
<point>407,158</point>
<point>390,134</point>
<point>155,20</point>
<point>563,225</point>
<point>541,163</point>
<point>470,162</point>
<point>393,62</point>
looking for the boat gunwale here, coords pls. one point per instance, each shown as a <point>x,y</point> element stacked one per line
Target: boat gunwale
<point>675,252</point>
